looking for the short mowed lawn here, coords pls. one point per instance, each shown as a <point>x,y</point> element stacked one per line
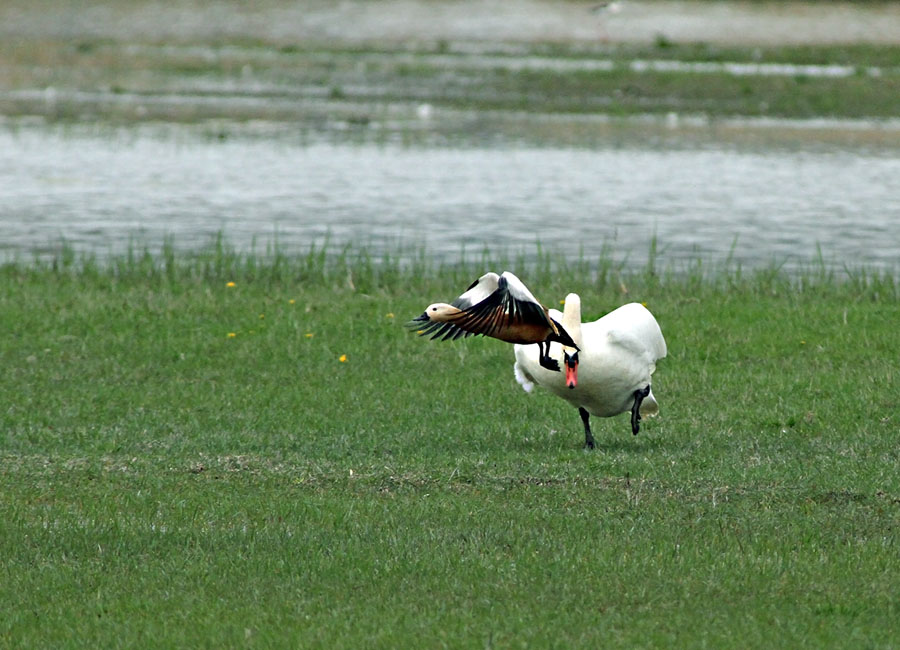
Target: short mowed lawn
<point>220,450</point>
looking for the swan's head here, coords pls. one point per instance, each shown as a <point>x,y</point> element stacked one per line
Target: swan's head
<point>570,359</point>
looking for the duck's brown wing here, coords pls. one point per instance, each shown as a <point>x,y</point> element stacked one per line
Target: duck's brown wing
<point>480,290</point>
<point>509,313</point>
<point>498,306</point>
<point>503,312</point>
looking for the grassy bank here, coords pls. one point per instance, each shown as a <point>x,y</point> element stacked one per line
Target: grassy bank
<point>124,81</point>
<point>191,462</point>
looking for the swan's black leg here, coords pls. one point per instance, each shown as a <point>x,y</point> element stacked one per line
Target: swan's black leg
<point>546,360</point>
<point>639,396</point>
<point>588,436</point>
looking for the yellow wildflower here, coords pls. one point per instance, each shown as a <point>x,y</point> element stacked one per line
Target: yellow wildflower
<point>309,335</point>
<point>390,314</point>
<point>231,335</point>
<point>342,358</point>
<point>230,284</point>
<point>291,301</point>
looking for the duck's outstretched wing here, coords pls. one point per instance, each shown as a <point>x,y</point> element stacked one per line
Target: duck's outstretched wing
<point>482,288</point>
<point>491,306</point>
<point>444,331</point>
<point>478,291</point>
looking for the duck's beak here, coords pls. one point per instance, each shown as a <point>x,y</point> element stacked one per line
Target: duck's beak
<point>418,322</point>
<point>571,363</point>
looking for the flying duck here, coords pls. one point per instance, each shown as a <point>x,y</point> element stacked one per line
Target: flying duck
<point>499,306</point>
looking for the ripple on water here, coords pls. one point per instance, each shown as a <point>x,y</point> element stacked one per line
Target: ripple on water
<point>100,192</point>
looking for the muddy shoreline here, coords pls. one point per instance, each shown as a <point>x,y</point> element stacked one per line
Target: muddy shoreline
<point>356,21</point>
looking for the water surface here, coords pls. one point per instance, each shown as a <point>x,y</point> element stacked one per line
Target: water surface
<point>102,190</point>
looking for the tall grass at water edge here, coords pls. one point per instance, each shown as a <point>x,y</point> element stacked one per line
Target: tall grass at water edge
<point>225,449</point>
<point>409,268</point>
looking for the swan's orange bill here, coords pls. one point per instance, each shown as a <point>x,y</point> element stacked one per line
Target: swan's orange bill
<point>571,374</point>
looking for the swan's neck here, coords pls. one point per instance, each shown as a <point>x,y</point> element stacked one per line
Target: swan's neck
<point>571,319</point>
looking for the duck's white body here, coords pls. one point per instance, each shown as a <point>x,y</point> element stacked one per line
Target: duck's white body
<point>618,354</point>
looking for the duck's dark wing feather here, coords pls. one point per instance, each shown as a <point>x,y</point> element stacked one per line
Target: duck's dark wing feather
<point>507,306</point>
<point>443,331</point>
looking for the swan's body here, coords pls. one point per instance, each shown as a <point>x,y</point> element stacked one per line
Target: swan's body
<point>610,374</point>
<point>499,306</point>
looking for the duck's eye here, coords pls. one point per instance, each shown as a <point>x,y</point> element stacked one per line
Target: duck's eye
<point>434,309</point>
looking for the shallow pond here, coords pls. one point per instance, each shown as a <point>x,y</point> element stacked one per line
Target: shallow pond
<point>103,190</point>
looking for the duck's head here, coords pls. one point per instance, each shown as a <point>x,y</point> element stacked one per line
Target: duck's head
<point>570,360</point>
<point>439,312</point>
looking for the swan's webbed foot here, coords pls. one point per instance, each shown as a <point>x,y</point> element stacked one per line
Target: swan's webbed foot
<point>545,360</point>
<point>639,396</point>
<point>588,436</point>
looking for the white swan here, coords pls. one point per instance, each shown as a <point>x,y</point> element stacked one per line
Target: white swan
<point>610,374</point>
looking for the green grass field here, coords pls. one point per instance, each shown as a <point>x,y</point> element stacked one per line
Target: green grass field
<point>191,464</point>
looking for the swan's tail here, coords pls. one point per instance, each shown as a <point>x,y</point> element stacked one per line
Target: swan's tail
<point>523,378</point>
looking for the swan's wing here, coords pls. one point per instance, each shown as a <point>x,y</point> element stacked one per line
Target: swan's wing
<point>634,328</point>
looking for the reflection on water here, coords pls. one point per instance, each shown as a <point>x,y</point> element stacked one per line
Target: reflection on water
<point>100,192</point>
